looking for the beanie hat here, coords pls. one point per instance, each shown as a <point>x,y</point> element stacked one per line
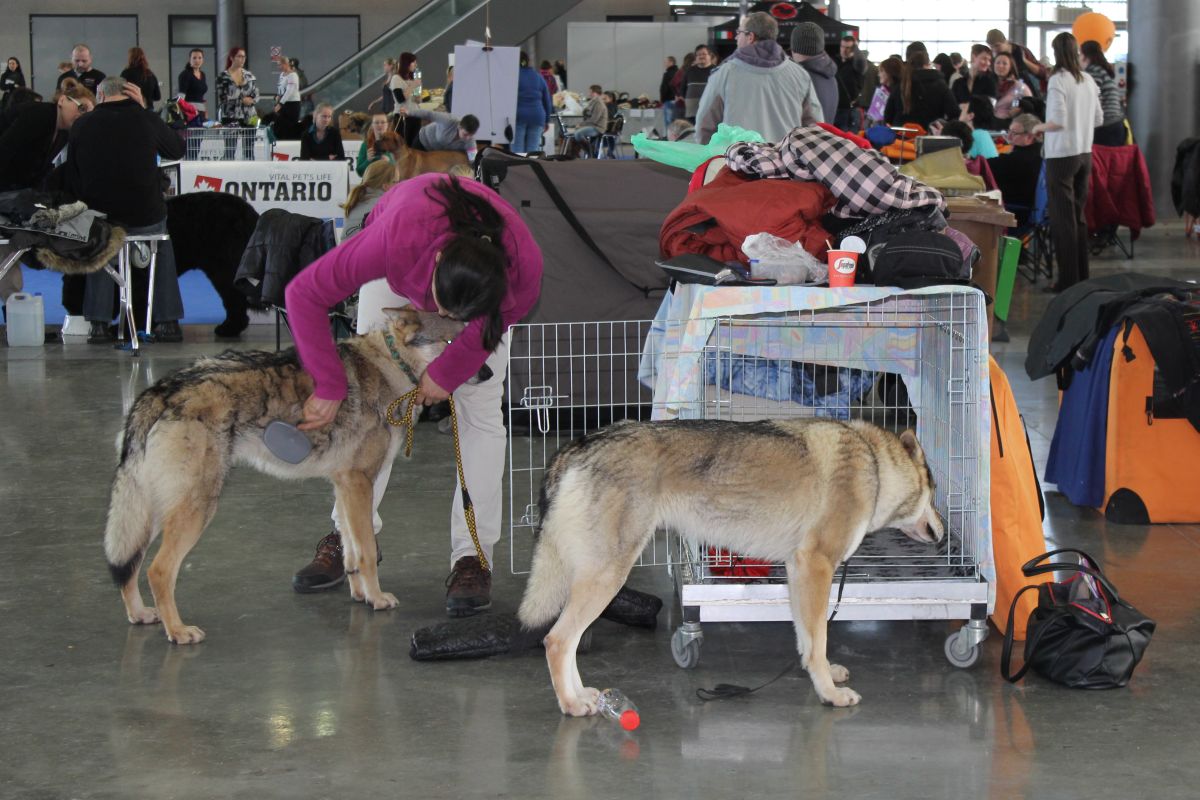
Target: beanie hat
<point>808,39</point>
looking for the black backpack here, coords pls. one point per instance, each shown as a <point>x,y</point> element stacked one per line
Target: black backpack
<point>916,259</point>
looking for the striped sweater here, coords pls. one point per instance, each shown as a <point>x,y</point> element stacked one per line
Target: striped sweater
<point>1110,95</point>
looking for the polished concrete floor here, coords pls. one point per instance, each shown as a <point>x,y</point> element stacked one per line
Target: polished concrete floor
<point>313,696</point>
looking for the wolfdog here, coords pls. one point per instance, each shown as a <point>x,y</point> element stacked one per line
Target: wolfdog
<point>804,492</point>
<point>185,432</point>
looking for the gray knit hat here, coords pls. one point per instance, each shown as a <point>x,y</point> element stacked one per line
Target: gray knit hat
<point>808,39</point>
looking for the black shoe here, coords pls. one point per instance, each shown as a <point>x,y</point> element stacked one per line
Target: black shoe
<point>232,327</point>
<point>167,332</point>
<point>101,333</point>
<point>468,588</point>
<point>327,570</point>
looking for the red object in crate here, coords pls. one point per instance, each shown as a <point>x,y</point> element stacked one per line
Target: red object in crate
<point>731,565</point>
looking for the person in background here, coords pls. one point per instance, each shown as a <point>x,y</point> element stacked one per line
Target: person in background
<point>945,66</point>
<point>1111,132</point>
<point>759,88</point>
<point>677,87</point>
<point>287,101</point>
<point>29,147</point>
<point>980,81</point>
<point>681,131</point>
<point>534,108</point>
<point>82,69</point>
<point>1010,88</point>
<point>306,98</point>
<point>237,93</point>
<point>1017,171</point>
<point>595,120</point>
<point>410,74</point>
<point>1026,62</point>
<point>547,73</point>
<point>445,131</point>
<point>380,143</point>
<point>870,84</point>
<point>112,166</point>
<point>808,50</point>
<point>889,79</point>
<point>560,72</point>
<point>137,70</point>
<point>193,84</point>
<point>850,71</point>
<point>391,93</point>
<point>696,79</point>
<point>1072,115</point>
<point>448,95</point>
<point>959,67</point>
<point>666,91</point>
<point>922,96</point>
<point>978,119</point>
<point>13,78</point>
<point>322,141</point>
<point>378,178</point>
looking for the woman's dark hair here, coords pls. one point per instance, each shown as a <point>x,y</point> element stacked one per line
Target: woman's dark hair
<point>137,60</point>
<point>544,65</point>
<point>894,69</point>
<point>983,111</point>
<point>917,59</point>
<point>194,50</point>
<point>471,279</point>
<point>914,47</point>
<point>1095,55</point>
<point>943,62</point>
<point>1013,74</point>
<point>1066,55</point>
<point>524,59</point>
<point>12,58</point>
<point>233,51</point>
<point>406,65</point>
<point>963,131</point>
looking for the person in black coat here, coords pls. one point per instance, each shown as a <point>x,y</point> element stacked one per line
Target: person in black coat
<point>193,84</point>
<point>922,96</point>
<point>37,134</point>
<point>138,71</point>
<point>322,141</point>
<point>113,167</point>
<point>13,78</point>
<point>1017,172</point>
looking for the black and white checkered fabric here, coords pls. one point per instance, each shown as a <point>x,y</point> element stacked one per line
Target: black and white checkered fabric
<point>863,181</point>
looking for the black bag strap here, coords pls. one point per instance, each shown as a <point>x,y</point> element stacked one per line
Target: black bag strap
<point>1006,652</point>
<point>569,215</point>
<point>1033,567</point>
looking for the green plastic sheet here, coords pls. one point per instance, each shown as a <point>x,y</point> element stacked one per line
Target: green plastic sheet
<point>689,155</point>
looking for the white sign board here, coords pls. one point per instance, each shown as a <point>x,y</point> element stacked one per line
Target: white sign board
<point>314,188</point>
<point>485,84</point>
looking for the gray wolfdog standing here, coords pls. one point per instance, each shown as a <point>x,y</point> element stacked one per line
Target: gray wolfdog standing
<point>185,432</point>
<point>804,492</point>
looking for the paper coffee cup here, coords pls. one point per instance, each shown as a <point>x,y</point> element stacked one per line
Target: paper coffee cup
<point>842,266</point>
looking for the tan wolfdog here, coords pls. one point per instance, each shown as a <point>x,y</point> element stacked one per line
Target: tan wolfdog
<point>185,432</point>
<point>802,492</point>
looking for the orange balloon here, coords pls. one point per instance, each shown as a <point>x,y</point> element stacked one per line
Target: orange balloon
<point>1093,27</point>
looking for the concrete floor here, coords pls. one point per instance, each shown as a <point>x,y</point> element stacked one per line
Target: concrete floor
<point>314,696</point>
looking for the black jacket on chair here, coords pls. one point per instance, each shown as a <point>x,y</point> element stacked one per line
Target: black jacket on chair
<point>283,243</point>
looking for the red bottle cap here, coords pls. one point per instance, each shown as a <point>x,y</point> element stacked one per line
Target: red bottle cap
<point>630,719</point>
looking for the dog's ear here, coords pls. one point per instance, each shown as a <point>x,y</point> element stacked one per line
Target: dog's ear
<point>912,446</point>
<point>406,320</point>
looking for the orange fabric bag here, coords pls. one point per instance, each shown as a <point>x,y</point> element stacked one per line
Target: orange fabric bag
<point>1017,506</point>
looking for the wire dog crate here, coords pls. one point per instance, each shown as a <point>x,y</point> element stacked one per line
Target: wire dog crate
<point>900,361</point>
<point>227,144</point>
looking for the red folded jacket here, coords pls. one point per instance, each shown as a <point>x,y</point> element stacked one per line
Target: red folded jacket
<point>741,206</point>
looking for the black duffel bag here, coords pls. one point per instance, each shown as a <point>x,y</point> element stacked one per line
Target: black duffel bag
<point>1081,634</point>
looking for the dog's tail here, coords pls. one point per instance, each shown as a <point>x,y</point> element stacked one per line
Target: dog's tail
<point>549,581</point>
<point>129,529</point>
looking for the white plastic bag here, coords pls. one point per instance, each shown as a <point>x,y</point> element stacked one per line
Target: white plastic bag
<point>787,262</point>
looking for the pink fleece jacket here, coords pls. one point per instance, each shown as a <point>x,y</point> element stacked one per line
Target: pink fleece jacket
<point>403,234</point>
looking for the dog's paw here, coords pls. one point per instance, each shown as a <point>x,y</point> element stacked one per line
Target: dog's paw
<point>584,704</point>
<point>843,696</point>
<point>188,634</point>
<point>384,601</point>
<point>146,616</point>
<point>839,673</point>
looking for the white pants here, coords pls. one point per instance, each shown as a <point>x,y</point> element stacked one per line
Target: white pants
<point>481,438</point>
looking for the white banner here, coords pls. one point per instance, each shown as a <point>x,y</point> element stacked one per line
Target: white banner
<point>314,188</point>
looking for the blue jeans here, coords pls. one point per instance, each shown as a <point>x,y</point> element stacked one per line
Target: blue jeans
<point>527,137</point>
<point>670,112</point>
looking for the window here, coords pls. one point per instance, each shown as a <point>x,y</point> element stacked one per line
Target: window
<point>887,27</point>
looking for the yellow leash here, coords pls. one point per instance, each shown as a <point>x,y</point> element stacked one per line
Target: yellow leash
<point>408,422</point>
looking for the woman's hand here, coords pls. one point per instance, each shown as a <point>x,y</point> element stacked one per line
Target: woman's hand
<point>429,392</point>
<point>247,101</point>
<point>318,413</point>
<point>371,154</point>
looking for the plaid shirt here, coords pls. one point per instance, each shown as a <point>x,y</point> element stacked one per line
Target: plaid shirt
<point>863,181</point>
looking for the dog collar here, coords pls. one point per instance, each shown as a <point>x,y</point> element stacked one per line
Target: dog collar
<point>391,346</point>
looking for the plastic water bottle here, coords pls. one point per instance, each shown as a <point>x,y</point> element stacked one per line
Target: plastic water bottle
<point>1016,101</point>
<point>26,320</point>
<point>616,706</point>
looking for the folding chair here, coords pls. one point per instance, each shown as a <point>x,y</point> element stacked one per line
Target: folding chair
<point>1038,252</point>
<point>563,145</point>
<point>611,138</point>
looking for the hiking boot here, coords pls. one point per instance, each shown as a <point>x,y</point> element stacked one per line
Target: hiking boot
<point>167,332</point>
<point>468,588</point>
<point>101,333</point>
<point>327,570</point>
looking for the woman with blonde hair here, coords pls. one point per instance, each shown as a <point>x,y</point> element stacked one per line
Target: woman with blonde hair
<point>392,91</point>
<point>378,178</point>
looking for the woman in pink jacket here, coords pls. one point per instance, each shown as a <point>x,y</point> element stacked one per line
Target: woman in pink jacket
<point>446,245</point>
